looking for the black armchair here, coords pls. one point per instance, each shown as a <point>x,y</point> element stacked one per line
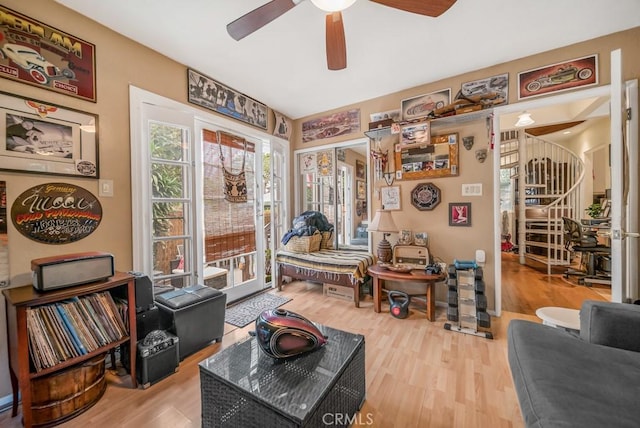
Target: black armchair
<point>584,240</point>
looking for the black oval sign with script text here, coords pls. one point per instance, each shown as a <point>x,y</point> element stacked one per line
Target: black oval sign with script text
<point>56,213</point>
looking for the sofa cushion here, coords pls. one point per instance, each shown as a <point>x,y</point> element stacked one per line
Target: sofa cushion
<point>611,324</point>
<point>563,381</point>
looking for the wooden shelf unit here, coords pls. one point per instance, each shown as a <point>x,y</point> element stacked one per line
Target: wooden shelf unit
<point>18,299</point>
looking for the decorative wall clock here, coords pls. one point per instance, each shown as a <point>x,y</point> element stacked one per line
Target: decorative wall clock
<point>425,196</point>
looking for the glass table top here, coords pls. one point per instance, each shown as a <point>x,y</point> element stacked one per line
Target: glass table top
<point>293,386</point>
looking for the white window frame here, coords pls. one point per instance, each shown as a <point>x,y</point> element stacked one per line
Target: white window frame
<point>140,173</point>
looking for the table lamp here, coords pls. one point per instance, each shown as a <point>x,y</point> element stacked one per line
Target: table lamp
<point>383,222</point>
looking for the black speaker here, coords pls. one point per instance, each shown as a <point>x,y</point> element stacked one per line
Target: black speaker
<point>157,357</point>
<point>144,292</point>
<point>147,321</point>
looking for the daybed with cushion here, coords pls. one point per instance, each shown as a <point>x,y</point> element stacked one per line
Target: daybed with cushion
<point>347,268</point>
<point>308,256</point>
<point>588,380</point>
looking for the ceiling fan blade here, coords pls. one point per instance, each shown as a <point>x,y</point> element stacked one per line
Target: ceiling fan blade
<point>421,7</point>
<point>258,18</point>
<point>336,44</point>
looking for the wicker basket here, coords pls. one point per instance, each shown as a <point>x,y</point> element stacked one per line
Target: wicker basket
<point>304,244</point>
<point>326,242</point>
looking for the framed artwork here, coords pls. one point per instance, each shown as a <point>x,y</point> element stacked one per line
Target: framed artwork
<point>361,190</point>
<point>389,114</point>
<point>47,138</point>
<point>405,237</point>
<point>333,125</point>
<point>416,133</point>
<point>426,196</point>
<point>390,198</point>
<point>282,126</point>
<point>37,54</point>
<point>360,169</point>
<point>421,239</point>
<point>494,89</point>
<point>325,163</point>
<point>213,95</point>
<point>423,105</point>
<point>308,163</point>
<point>420,161</point>
<point>4,237</point>
<point>460,214</point>
<point>563,76</point>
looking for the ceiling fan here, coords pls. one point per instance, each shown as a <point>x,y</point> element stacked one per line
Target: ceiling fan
<point>335,40</point>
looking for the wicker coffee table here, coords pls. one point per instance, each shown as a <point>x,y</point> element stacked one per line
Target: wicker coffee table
<point>243,387</point>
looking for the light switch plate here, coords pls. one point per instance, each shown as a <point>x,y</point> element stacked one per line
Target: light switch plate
<point>105,188</point>
<point>474,189</point>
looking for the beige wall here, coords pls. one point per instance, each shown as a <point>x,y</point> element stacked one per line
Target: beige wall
<point>448,242</point>
<point>121,62</point>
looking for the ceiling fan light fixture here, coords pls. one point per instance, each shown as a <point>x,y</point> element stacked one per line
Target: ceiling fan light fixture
<point>333,5</point>
<point>525,120</point>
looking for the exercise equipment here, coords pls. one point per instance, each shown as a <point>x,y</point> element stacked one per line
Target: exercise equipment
<point>399,304</point>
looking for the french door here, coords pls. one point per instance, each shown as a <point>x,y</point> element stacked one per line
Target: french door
<point>233,230</point>
<point>185,231</point>
<point>624,192</point>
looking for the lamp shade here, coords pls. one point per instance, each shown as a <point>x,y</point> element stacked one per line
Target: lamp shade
<point>383,222</point>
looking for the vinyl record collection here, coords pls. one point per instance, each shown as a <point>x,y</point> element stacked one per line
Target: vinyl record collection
<point>74,327</point>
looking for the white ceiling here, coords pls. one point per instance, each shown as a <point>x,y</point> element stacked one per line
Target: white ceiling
<point>283,64</point>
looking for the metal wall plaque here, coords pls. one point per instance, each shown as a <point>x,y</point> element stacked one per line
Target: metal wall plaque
<point>56,213</point>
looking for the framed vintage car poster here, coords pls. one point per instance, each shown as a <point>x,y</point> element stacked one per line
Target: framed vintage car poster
<point>423,105</point>
<point>37,54</point>
<point>562,76</point>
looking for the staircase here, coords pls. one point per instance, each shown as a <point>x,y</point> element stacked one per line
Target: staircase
<point>548,177</point>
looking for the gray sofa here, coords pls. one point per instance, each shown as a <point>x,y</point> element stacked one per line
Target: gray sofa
<point>590,379</point>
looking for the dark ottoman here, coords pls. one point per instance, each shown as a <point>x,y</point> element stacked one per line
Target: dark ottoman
<point>195,314</point>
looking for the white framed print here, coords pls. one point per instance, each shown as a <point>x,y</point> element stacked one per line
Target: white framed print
<point>421,239</point>
<point>390,198</point>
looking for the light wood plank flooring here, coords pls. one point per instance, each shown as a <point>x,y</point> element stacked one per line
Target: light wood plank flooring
<point>418,374</point>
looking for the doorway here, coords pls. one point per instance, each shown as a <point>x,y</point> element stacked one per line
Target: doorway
<point>591,108</point>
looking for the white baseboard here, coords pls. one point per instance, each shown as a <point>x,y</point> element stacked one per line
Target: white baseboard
<point>6,402</point>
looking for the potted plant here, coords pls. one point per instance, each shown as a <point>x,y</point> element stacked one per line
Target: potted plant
<point>594,210</point>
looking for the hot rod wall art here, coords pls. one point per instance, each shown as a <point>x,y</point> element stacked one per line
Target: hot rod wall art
<point>34,53</point>
<point>562,76</point>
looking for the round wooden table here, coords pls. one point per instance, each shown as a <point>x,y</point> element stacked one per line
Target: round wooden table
<point>380,274</point>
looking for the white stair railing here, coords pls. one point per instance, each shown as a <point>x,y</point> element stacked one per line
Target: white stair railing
<point>548,177</point>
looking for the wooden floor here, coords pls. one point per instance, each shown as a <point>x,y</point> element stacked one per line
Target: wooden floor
<point>418,374</point>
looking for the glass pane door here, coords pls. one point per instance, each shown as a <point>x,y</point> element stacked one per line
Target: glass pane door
<point>171,207</point>
<point>232,212</point>
<point>276,205</point>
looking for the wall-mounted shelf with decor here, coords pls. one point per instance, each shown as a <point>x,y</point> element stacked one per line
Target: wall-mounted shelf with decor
<point>378,133</point>
<point>459,119</point>
<point>378,130</point>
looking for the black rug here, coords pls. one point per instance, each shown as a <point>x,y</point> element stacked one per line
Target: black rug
<point>248,310</point>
